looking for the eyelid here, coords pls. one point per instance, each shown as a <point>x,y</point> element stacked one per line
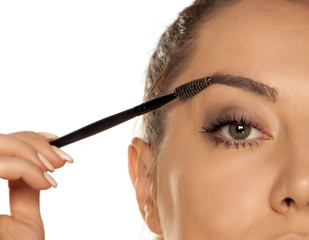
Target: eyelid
<point>237,117</point>
<point>237,112</point>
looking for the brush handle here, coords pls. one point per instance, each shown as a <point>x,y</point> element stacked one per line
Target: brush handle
<point>112,121</point>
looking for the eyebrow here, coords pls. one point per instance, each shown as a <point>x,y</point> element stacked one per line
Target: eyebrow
<point>247,84</point>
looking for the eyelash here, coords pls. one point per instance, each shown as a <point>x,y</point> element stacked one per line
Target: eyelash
<point>219,123</point>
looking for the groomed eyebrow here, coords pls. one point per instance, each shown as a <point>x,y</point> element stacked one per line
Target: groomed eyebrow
<point>247,84</point>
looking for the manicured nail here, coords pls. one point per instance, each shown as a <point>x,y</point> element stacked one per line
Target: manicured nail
<point>63,155</point>
<point>48,135</point>
<point>50,179</point>
<point>47,163</point>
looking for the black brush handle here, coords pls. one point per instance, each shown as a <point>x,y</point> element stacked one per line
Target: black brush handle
<point>112,121</point>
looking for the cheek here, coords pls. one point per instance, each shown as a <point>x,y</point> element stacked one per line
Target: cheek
<point>204,194</point>
<point>213,198</point>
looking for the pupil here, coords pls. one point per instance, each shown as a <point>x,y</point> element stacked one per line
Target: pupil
<point>240,128</point>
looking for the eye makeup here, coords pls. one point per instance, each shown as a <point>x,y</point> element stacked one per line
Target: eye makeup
<point>235,127</point>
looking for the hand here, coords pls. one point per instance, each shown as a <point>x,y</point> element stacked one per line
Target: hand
<point>25,157</point>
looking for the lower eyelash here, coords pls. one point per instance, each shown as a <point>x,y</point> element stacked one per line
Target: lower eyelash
<point>236,144</point>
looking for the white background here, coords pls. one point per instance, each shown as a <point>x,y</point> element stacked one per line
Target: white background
<point>65,64</point>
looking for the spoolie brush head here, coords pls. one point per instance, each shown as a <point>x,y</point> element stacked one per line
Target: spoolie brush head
<point>192,88</point>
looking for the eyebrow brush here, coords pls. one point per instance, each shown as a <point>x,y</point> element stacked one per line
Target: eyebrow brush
<point>182,92</point>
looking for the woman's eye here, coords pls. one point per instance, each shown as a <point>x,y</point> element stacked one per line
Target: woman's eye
<point>239,131</point>
<point>233,131</point>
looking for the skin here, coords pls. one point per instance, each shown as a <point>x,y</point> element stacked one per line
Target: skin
<point>209,191</point>
<point>24,170</point>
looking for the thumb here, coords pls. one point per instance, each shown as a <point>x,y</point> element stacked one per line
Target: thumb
<point>25,181</point>
<point>25,203</point>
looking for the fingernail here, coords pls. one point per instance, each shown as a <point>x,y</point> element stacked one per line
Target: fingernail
<point>63,155</point>
<point>48,135</point>
<point>50,179</point>
<point>47,163</point>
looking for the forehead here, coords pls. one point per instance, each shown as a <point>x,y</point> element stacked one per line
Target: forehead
<point>254,38</point>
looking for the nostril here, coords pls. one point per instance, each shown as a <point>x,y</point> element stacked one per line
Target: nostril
<point>289,201</point>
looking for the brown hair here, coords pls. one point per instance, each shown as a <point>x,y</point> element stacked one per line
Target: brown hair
<point>173,51</point>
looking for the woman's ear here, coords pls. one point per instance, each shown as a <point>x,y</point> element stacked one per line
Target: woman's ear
<point>140,169</point>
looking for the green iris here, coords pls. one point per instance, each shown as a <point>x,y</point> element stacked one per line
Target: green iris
<point>239,131</point>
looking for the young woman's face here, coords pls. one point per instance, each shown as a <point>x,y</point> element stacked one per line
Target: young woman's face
<point>235,165</point>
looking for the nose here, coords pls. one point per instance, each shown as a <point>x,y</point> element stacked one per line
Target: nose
<point>291,187</point>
